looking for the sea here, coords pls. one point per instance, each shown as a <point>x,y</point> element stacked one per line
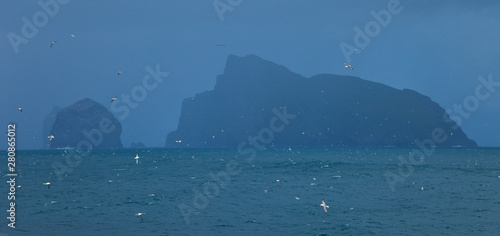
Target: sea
<point>273,191</point>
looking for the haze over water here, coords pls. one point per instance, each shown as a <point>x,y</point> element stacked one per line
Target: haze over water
<point>141,62</point>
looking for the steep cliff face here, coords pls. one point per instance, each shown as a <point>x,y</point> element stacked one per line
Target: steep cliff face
<point>86,125</point>
<point>327,110</point>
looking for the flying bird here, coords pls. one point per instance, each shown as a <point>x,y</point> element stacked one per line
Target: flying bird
<point>47,184</point>
<point>72,36</point>
<point>140,215</point>
<point>20,109</point>
<point>356,50</point>
<point>53,43</point>
<point>136,158</point>
<point>120,72</point>
<point>323,204</point>
<point>50,137</point>
<point>113,99</point>
<point>348,66</point>
<point>221,45</point>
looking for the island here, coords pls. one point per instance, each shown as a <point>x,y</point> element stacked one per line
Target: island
<point>259,101</point>
<point>86,125</point>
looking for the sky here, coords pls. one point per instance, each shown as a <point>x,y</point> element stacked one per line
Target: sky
<point>437,48</point>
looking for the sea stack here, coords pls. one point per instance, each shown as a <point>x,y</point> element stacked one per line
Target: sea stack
<point>86,125</point>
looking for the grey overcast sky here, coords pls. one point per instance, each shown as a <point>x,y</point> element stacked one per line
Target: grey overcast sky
<point>438,48</point>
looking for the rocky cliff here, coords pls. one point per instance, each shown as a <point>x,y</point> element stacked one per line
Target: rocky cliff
<point>86,125</point>
<point>258,101</point>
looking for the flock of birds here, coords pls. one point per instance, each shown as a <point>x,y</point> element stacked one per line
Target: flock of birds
<point>50,137</point>
<point>136,158</point>
<point>119,72</point>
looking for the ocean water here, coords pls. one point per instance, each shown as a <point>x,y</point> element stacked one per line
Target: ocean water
<point>279,192</point>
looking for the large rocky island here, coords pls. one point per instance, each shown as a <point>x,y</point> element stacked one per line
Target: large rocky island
<point>258,99</point>
<point>86,125</point>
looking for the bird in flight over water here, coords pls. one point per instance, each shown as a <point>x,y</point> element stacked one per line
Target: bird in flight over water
<point>140,215</point>
<point>323,204</point>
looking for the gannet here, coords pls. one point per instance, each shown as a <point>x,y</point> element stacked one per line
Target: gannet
<point>136,158</point>
<point>323,204</point>
<point>348,66</point>
<point>47,184</point>
<point>140,215</point>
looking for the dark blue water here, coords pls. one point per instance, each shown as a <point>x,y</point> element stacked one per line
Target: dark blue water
<point>453,192</point>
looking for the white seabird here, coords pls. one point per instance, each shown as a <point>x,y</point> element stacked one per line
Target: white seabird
<point>348,66</point>
<point>113,98</point>
<point>50,137</point>
<point>323,204</point>
<point>53,43</point>
<point>140,215</point>
<point>358,50</point>
<point>20,109</point>
<point>72,36</point>
<point>136,158</point>
<point>47,184</point>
